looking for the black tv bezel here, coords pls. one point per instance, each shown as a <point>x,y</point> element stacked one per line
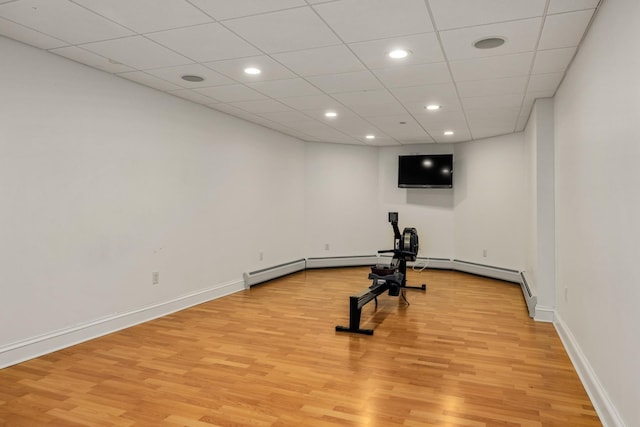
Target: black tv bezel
<point>441,186</point>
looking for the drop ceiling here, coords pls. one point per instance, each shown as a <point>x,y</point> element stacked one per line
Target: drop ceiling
<point>317,56</point>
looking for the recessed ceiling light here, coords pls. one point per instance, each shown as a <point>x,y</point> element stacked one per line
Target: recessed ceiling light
<point>399,53</point>
<point>191,78</point>
<point>330,114</point>
<point>370,137</point>
<point>432,107</point>
<point>252,70</point>
<point>489,43</point>
<point>448,132</point>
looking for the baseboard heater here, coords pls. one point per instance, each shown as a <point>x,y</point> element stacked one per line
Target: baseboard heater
<point>259,276</point>
<point>342,261</point>
<point>529,296</point>
<point>487,271</point>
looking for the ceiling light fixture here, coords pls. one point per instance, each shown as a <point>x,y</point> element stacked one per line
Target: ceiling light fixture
<point>330,114</point>
<point>432,107</point>
<point>191,78</point>
<point>489,43</point>
<point>252,70</point>
<point>399,53</point>
<point>448,132</point>
<point>370,137</point>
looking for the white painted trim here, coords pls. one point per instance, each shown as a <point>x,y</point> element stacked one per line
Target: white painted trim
<point>14,353</point>
<point>346,261</point>
<point>544,314</point>
<point>264,275</point>
<point>431,263</point>
<point>487,271</point>
<point>606,410</point>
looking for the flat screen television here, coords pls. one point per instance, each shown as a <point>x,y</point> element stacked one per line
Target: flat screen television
<point>425,171</point>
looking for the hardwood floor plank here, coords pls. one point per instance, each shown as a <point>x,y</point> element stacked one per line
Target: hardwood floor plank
<point>464,353</point>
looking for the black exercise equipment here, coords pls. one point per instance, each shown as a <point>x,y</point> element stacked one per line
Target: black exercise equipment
<point>391,278</point>
<point>405,248</point>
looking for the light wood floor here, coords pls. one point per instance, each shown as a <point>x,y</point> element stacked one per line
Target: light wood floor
<point>462,354</point>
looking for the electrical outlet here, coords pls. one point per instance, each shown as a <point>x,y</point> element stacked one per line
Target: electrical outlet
<point>261,256</point>
<point>155,277</point>
<point>326,246</point>
<point>484,253</point>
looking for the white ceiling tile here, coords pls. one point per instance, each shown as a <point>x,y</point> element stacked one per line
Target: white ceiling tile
<point>414,75</point>
<point>285,88</point>
<point>449,14</point>
<point>401,126</point>
<point>174,75</point>
<point>144,16</point>
<point>520,36</point>
<point>492,116</point>
<point>560,6</point>
<point>322,60</point>
<point>261,106</point>
<point>234,68</point>
<point>544,82</point>
<point>504,86</point>
<point>459,134</point>
<point>426,94</point>
<point>192,96</point>
<point>207,42</point>
<point>553,61</point>
<point>231,93</point>
<point>63,20</point>
<point>91,59</point>
<point>346,82</point>
<point>424,48</point>
<point>494,101</point>
<point>444,120</point>
<point>486,131</point>
<point>294,119</point>
<point>359,20</point>
<point>354,126</point>
<point>221,10</point>
<point>446,104</point>
<point>283,31</point>
<point>493,67</point>
<point>311,102</point>
<point>564,30</point>
<point>149,80</point>
<point>137,52</point>
<point>371,103</point>
<point>521,124</point>
<point>28,36</point>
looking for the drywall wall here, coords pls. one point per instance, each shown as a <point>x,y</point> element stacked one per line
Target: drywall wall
<point>490,201</point>
<point>105,181</point>
<point>341,200</point>
<point>598,206</point>
<point>430,211</point>
<point>540,245</point>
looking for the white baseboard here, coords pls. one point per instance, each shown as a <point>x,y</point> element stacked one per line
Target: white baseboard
<point>266,274</point>
<point>604,407</point>
<point>544,314</point>
<point>14,353</point>
<point>487,271</point>
<point>342,261</point>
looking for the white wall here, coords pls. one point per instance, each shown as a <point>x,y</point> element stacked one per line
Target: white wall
<point>430,211</point>
<point>104,181</point>
<point>540,245</point>
<point>490,201</point>
<point>341,200</point>
<point>598,203</point>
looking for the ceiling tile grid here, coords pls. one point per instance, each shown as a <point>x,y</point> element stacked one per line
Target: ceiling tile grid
<point>311,57</point>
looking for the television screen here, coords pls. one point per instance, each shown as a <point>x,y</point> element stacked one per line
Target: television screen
<point>425,171</point>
